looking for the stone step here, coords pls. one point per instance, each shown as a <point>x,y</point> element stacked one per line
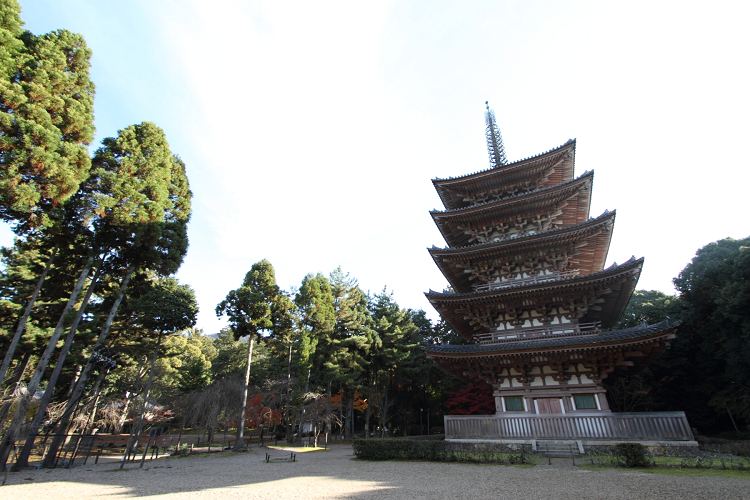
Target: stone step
<point>558,448</point>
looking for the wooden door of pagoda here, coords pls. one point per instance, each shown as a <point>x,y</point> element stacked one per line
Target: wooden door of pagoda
<point>548,405</point>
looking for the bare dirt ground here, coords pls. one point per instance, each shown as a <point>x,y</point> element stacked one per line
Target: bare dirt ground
<point>337,474</point>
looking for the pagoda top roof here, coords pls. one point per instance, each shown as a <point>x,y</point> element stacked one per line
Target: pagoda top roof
<point>615,277</point>
<point>590,261</point>
<point>605,339</point>
<point>532,202</point>
<point>452,190</point>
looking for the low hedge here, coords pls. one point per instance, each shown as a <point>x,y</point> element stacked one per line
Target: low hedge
<point>441,451</point>
<point>631,455</point>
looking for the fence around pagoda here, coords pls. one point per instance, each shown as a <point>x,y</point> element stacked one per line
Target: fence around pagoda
<point>529,280</point>
<point>653,426</point>
<point>535,332</point>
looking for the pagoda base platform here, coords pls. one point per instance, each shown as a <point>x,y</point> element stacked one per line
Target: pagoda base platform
<point>651,429</point>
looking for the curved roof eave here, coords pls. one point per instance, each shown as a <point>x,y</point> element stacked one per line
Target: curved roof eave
<point>525,239</point>
<point>507,166</point>
<point>611,271</point>
<point>637,334</point>
<point>518,197</point>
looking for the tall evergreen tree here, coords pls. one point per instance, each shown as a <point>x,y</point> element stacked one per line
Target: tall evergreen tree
<point>252,309</point>
<point>46,123</point>
<point>393,327</point>
<point>715,338</point>
<point>138,203</point>
<point>346,355</point>
<point>167,308</point>
<point>46,117</point>
<point>315,302</point>
<point>231,355</point>
<point>138,200</point>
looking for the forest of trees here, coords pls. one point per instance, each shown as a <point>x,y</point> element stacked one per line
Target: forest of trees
<point>96,333</point>
<point>706,370</point>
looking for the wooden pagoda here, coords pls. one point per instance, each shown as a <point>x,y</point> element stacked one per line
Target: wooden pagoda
<point>529,290</point>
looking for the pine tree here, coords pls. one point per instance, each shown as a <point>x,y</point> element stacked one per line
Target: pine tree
<point>252,309</point>
<point>46,118</point>
<point>138,203</point>
<point>315,302</point>
<point>388,367</point>
<point>46,123</point>
<point>168,307</point>
<point>345,356</point>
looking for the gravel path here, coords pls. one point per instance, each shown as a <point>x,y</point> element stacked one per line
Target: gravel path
<point>336,474</point>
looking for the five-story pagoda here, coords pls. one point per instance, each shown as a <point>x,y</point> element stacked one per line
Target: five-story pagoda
<point>525,263</point>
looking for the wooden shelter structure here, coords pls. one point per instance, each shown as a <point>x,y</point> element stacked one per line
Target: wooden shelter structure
<point>529,290</point>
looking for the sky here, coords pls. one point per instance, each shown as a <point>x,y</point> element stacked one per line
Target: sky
<point>311,130</point>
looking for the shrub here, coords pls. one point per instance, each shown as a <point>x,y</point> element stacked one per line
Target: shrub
<point>631,455</point>
<point>440,451</point>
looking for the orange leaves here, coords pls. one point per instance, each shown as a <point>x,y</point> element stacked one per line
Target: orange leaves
<point>359,403</point>
<point>257,413</point>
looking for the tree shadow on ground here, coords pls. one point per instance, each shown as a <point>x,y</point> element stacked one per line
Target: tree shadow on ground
<point>337,474</point>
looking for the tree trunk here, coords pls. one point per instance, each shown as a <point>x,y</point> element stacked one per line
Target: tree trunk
<point>329,415</point>
<point>342,413</point>
<point>302,413</point>
<point>239,444</point>
<point>289,396</point>
<point>346,416</point>
<point>351,415</point>
<point>11,434</point>
<point>41,412</point>
<point>368,413</point>
<point>23,365</point>
<point>73,381</point>
<point>89,427</point>
<point>97,384</point>
<point>27,312</point>
<point>145,397</point>
<point>80,385</point>
<point>124,415</point>
<point>179,438</point>
<point>384,413</point>
<point>316,428</point>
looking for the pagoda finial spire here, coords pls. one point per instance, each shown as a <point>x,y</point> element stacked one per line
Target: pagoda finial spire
<point>494,140</point>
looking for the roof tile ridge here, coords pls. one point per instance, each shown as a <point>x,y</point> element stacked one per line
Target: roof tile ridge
<point>654,327</point>
<point>603,272</point>
<point>537,191</point>
<point>603,337</point>
<point>520,239</point>
<point>569,141</point>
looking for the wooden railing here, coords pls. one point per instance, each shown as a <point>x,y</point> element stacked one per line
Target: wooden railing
<point>655,426</point>
<point>532,332</point>
<point>540,278</point>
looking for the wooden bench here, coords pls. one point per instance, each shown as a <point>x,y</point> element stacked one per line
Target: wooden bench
<point>292,458</point>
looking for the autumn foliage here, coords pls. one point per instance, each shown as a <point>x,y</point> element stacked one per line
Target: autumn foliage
<point>475,399</point>
<point>359,403</point>
<point>257,412</point>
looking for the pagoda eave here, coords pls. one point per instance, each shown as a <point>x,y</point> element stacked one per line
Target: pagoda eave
<point>575,195</point>
<point>557,164</point>
<point>622,351</point>
<point>447,188</point>
<point>590,239</point>
<point>608,291</point>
